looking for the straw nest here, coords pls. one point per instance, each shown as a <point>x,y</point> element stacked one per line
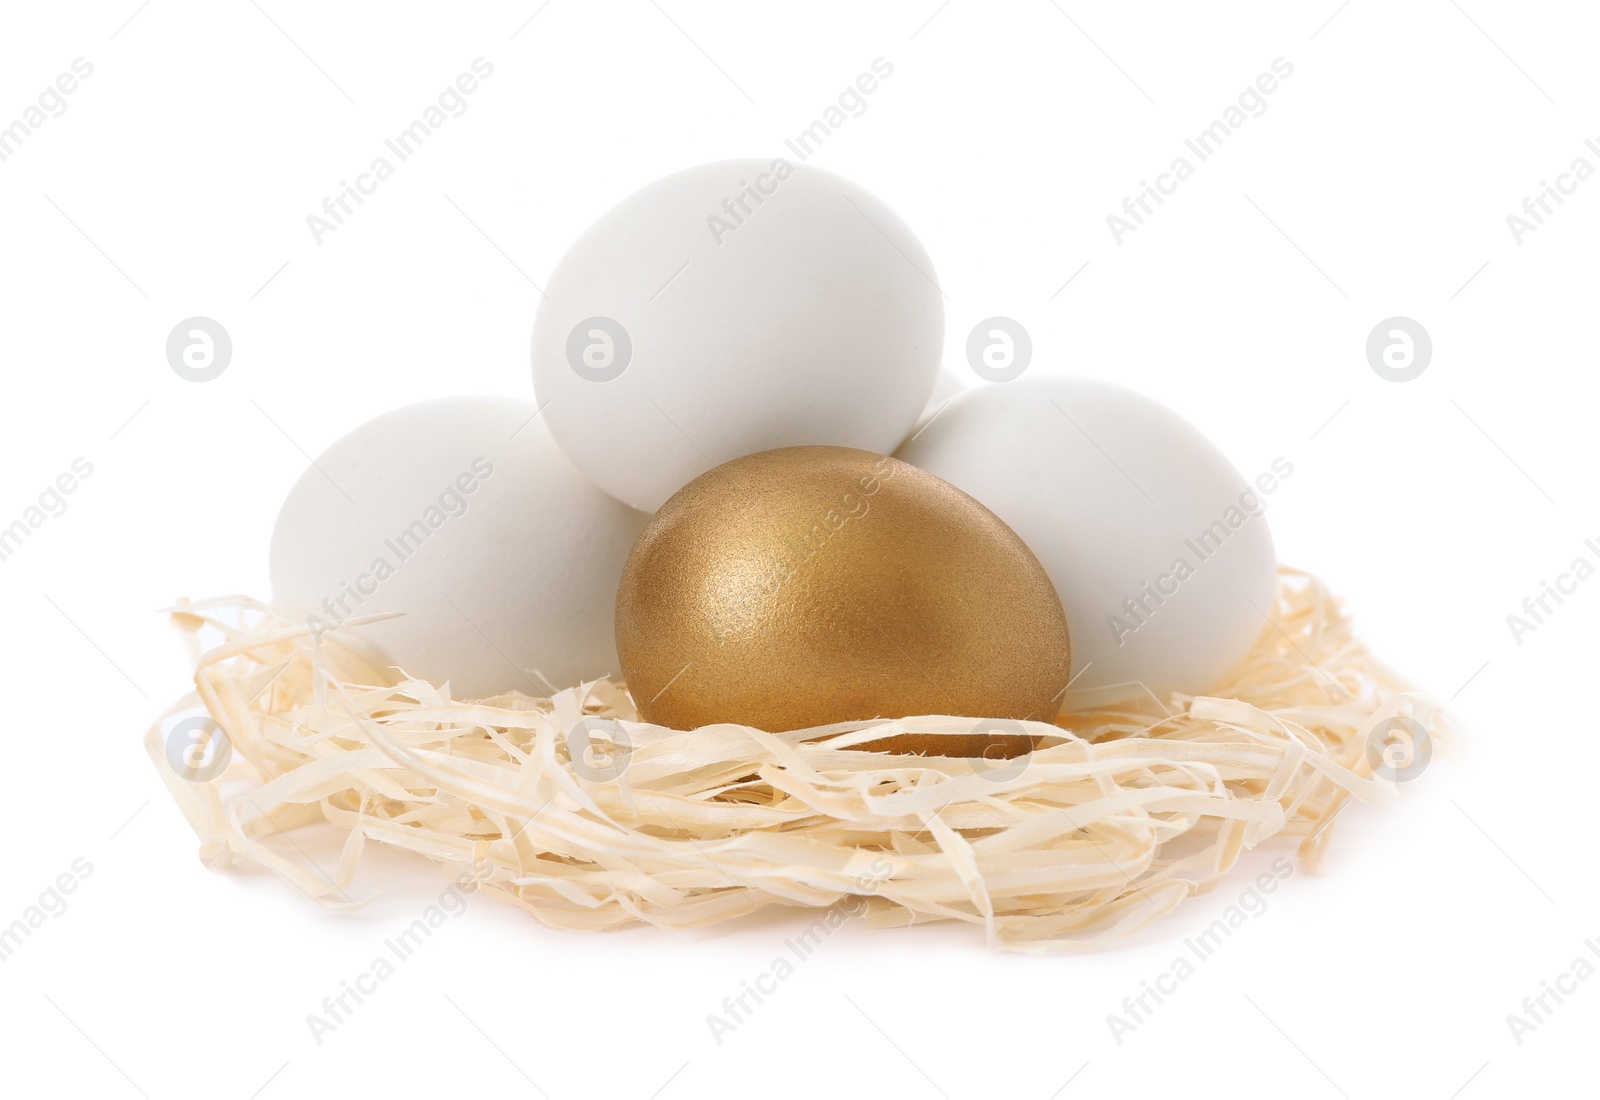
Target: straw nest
<point>587,818</point>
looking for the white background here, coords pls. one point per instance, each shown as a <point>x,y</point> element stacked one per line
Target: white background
<point>1377,184</point>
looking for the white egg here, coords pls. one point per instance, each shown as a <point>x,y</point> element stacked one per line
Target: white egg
<point>732,308</point>
<point>1155,543</point>
<point>463,513</point>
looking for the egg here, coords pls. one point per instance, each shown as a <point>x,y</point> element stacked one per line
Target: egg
<point>731,308</point>
<point>464,514</point>
<point>804,586</point>
<point>1157,545</point>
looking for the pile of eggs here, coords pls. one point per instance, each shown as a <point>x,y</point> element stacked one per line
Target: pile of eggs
<point>741,489</point>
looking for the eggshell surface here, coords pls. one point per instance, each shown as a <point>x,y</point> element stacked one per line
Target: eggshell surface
<point>732,308</point>
<point>810,585</point>
<point>463,513</point>
<point>1155,543</point>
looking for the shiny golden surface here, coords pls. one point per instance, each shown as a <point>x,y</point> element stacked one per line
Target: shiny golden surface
<point>810,585</point>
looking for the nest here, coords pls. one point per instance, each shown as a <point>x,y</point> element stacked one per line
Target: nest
<point>589,819</point>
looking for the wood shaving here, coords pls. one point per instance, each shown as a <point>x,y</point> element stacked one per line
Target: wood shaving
<point>1127,805</point>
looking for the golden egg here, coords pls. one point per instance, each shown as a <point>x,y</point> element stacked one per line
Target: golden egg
<point>810,585</point>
